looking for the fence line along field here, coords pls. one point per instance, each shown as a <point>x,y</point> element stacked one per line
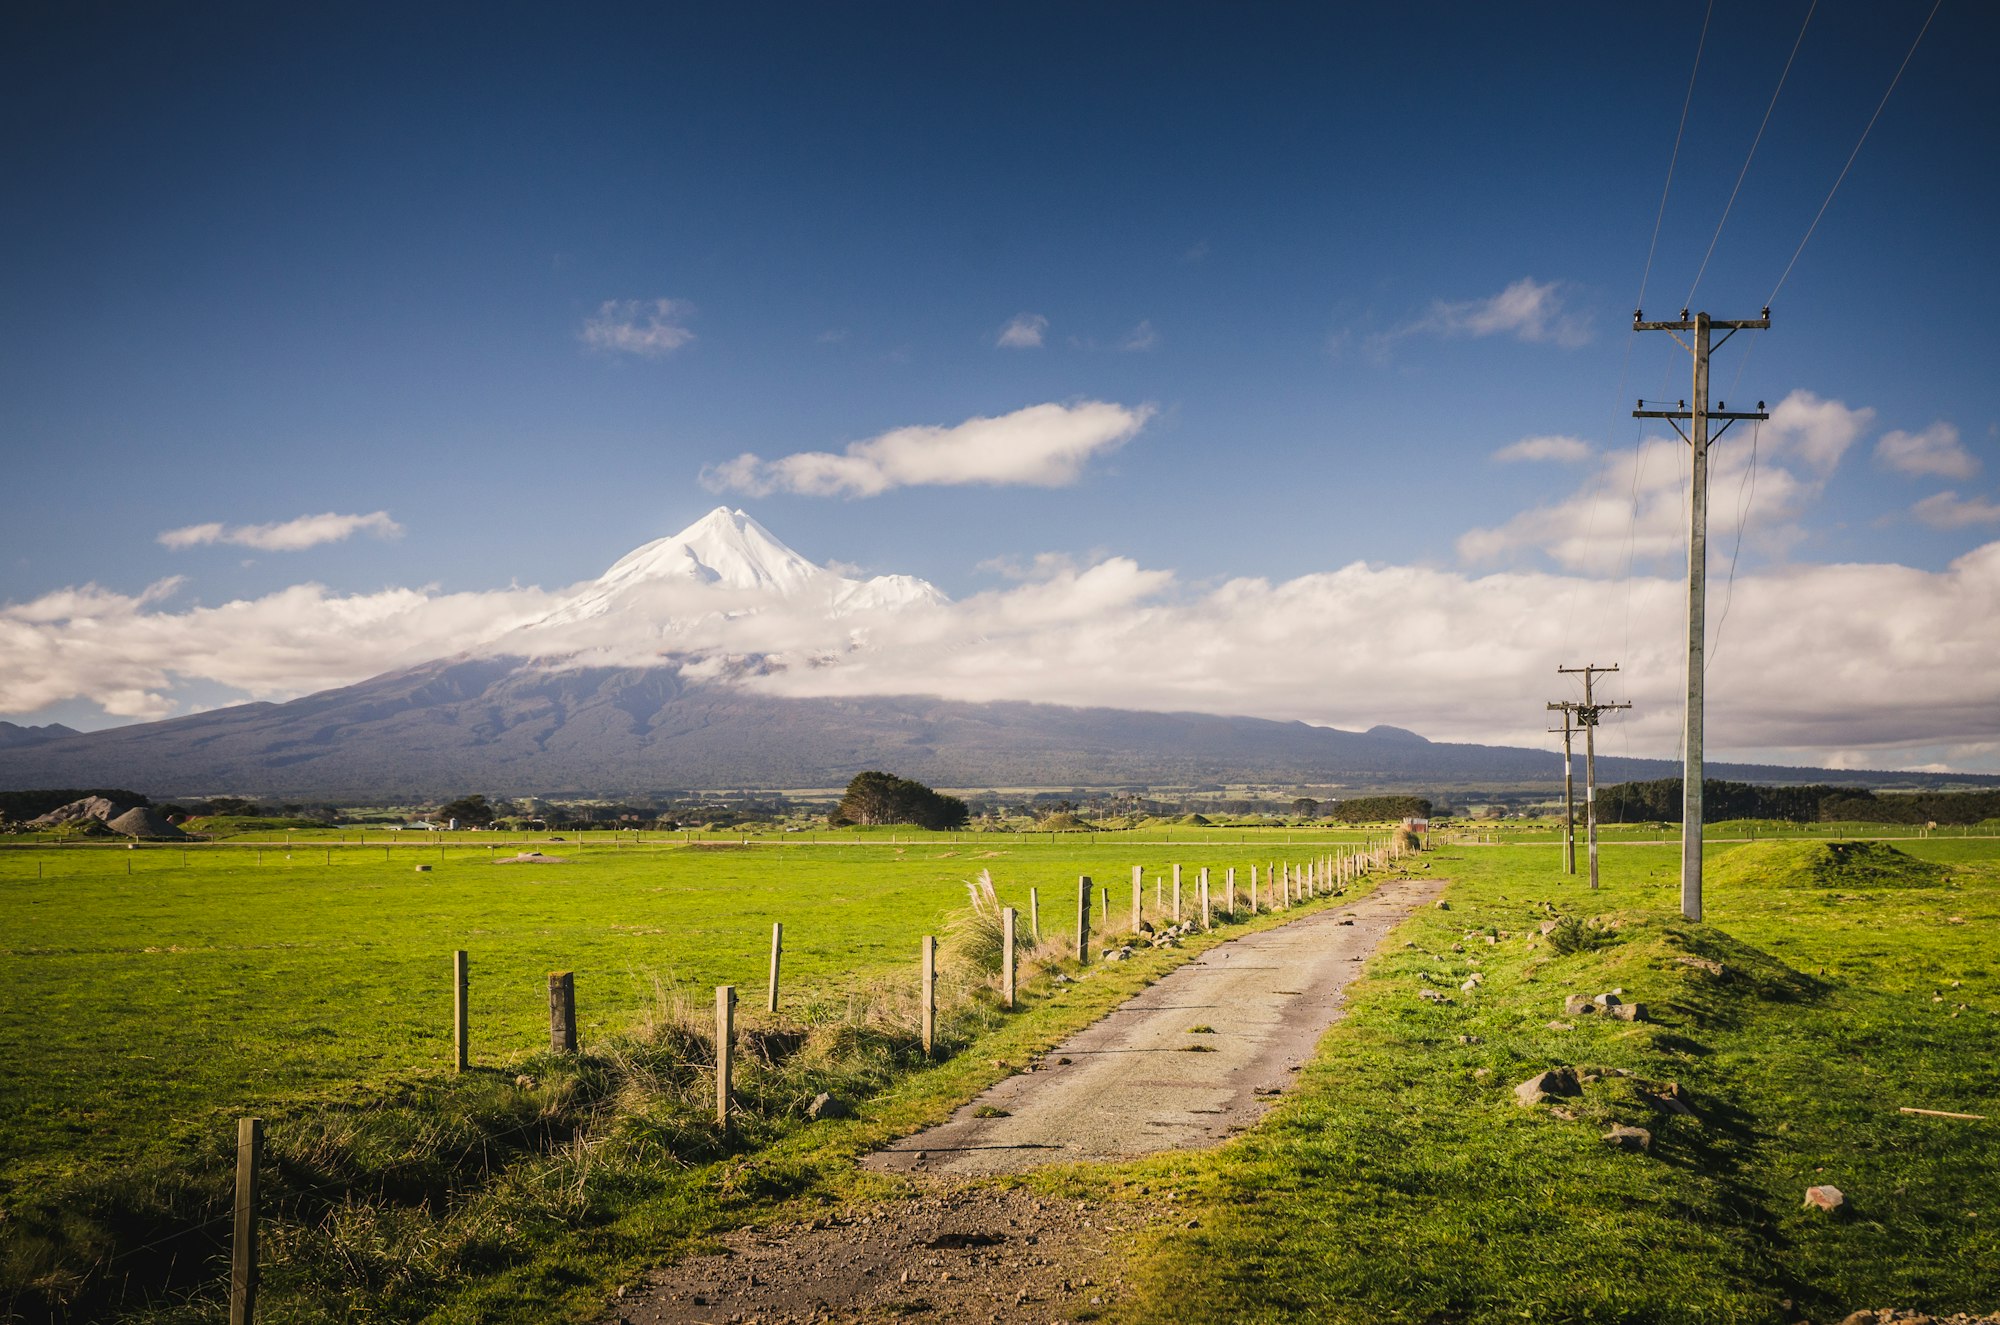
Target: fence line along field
<point>160,992</point>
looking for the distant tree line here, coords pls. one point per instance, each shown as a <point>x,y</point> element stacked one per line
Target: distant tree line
<point>876,798</point>
<point>1660,802</point>
<point>1373,809</point>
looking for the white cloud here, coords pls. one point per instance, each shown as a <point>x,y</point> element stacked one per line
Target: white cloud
<point>1042,446</point>
<point>1816,431</point>
<point>1465,657</point>
<point>285,536</point>
<point>649,328</point>
<point>1141,337</point>
<point>1634,508</point>
<point>1456,655</point>
<point>1024,332</point>
<point>1566,450</point>
<point>1528,310</point>
<point>119,650</point>
<point>1947,510</point>
<point>1936,450</point>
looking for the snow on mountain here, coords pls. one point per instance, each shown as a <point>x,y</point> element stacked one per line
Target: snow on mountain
<point>728,551</point>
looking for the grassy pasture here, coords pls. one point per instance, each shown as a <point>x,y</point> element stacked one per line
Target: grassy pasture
<point>152,996</point>
<point>1402,1182</point>
<point>161,991</point>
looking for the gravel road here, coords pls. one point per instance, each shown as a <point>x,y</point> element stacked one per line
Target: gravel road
<point>958,1248</point>
<point>1194,1058</point>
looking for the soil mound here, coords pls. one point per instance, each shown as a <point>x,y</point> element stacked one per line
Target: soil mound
<point>144,821</point>
<point>1823,865</point>
<point>90,807</point>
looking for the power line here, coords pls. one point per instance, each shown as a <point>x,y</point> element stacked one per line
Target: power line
<point>1743,505</point>
<point>1700,44</point>
<point>1938,4</point>
<point>1689,301</point>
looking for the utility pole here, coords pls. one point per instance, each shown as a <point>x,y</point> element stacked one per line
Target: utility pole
<point>1569,792</point>
<point>1586,718</point>
<point>1696,436</point>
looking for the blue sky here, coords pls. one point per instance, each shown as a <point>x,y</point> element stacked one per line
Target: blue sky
<point>268,264</point>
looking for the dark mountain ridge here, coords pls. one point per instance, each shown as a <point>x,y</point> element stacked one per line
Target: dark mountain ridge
<point>505,727</point>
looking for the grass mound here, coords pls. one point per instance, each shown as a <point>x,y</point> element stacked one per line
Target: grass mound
<point>1822,865</point>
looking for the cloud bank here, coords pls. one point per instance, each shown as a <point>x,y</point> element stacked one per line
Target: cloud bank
<point>1044,446</point>
<point>1904,681</point>
<point>286,536</point>
<point>1632,509</point>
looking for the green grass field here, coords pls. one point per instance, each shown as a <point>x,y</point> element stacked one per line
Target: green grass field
<point>1400,1182</point>
<point>161,992</point>
<point>1403,1182</point>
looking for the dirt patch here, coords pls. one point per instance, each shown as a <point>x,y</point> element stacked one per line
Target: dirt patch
<point>977,1253</point>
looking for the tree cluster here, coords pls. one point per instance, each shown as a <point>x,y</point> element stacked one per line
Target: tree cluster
<point>1660,802</point>
<point>1374,809</point>
<point>875,798</point>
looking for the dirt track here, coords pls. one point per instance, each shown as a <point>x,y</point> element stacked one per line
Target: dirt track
<point>1145,1078</point>
<point>959,1249</point>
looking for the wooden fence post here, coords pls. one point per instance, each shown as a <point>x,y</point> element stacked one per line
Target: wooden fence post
<point>1229,892</point>
<point>1207,918</point>
<point>459,1015</point>
<point>777,948</point>
<point>928,992</point>
<point>1035,914</point>
<point>1083,918</point>
<point>1138,894</point>
<point>725,1050</point>
<point>1177,894</point>
<point>243,1250</point>
<point>1253,890</point>
<point>1007,955</point>
<point>1104,902</point>
<point>562,1012</point>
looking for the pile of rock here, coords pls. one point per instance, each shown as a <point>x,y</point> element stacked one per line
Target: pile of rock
<point>126,820</point>
<point>1170,937</point>
<point>1611,1003</point>
<point>1564,1083</point>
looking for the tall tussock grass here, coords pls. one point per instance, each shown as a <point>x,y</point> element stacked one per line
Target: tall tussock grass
<point>380,1205</point>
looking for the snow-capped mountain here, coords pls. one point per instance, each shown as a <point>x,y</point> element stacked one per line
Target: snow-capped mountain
<point>728,550</point>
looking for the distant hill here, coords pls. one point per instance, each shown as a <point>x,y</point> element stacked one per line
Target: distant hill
<point>505,727</point>
<point>13,735</point>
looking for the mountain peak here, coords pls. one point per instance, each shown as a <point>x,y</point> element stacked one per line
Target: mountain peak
<point>727,549</point>
<point>724,547</point>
